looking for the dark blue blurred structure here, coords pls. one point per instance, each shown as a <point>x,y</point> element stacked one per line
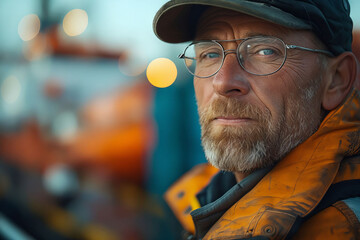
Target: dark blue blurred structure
<point>178,146</point>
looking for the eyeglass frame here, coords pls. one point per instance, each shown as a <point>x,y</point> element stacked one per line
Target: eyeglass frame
<point>236,51</point>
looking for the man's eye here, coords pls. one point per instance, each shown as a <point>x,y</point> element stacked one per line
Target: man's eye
<point>209,55</point>
<point>266,52</point>
<point>212,55</point>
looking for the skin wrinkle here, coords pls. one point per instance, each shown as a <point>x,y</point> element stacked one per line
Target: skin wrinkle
<point>206,18</point>
<point>278,104</point>
<point>295,64</point>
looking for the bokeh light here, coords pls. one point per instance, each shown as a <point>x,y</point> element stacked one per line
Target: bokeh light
<point>29,27</point>
<point>161,72</point>
<point>10,89</point>
<point>134,66</point>
<point>75,22</point>
<point>60,180</point>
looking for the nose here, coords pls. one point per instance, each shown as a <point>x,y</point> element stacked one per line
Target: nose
<point>231,79</point>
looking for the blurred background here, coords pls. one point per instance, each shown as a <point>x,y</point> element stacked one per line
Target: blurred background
<point>87,144</point>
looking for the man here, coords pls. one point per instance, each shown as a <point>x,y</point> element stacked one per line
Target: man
<point>280,118</point>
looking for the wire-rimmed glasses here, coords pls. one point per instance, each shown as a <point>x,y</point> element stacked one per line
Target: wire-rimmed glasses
<point>261,55</point>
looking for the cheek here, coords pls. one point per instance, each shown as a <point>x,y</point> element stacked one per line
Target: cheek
<point>287,91</point>
<point>271,93</point>
<point>203,91</point>
<point>301,73</point>
<point>296,96</point>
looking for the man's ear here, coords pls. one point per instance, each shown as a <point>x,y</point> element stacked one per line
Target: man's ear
<point>339,79</point>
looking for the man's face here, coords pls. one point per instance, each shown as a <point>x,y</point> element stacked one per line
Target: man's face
<point>248,121</point>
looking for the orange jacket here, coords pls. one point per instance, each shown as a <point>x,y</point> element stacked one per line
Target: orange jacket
<point>300,197</point>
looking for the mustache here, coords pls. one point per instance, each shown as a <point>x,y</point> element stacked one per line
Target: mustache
<point>233,108</point>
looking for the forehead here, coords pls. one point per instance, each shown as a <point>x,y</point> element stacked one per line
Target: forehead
<point>218,22</point>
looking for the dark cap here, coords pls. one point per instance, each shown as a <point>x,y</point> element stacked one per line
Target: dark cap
<point>330,20</point>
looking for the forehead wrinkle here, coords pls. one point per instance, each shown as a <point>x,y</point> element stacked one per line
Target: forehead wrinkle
<point>211,31</point>
<point>234,25</point>
<point>215,20</point>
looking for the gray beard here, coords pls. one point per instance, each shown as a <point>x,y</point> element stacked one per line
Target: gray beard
<point>233,148</point>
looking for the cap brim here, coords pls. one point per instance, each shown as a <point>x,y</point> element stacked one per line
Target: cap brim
<point>176,21</point>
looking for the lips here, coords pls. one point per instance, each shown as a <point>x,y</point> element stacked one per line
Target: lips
<point>232,120</point>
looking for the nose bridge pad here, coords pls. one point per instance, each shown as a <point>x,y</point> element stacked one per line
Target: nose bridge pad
<point>233,51</point>
<point>229,51</point>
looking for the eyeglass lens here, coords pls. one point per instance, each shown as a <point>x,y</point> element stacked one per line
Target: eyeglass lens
<point>258,55</point>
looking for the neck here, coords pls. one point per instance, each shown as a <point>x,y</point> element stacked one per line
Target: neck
<point>240,176</point>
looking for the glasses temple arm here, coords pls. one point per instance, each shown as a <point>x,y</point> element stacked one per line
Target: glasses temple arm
<point>182,56</point>
<point>310,49</point>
